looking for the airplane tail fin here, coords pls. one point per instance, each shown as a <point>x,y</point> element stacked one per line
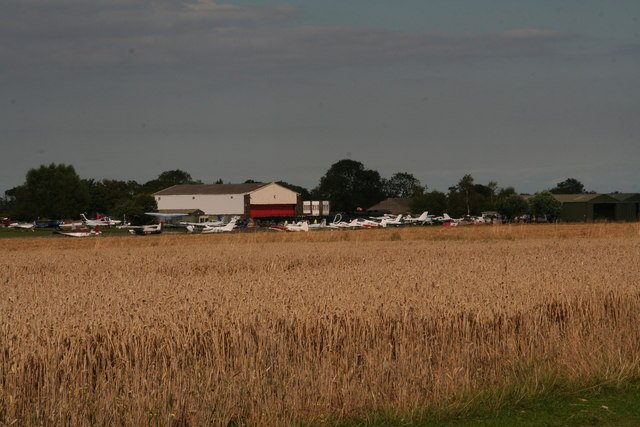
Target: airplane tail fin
<point>84,217</point>
<point>399,218</point>
<point>323,222</point>
<point>305,226</point>
<point>383,223</point>
<point>446,216</point>
<point>424,216</point>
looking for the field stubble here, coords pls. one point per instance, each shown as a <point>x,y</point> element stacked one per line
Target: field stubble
<point>281,328</point>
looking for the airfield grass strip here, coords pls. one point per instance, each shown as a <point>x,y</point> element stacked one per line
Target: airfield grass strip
<point>553,402</point>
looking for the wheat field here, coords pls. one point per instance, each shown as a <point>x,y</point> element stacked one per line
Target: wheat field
<point>279,329</point>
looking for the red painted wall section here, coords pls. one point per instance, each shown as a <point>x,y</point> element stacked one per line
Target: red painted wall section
<point>266,211</point>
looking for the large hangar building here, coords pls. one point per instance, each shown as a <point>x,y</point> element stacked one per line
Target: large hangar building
<point>254,200</point>
<point>594,207</point>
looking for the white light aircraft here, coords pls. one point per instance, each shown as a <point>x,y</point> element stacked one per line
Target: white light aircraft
<point>344,224</point>
<point>202,224</point>
<point>145,230</point>
<point>368,223</point>
<point>422,219</point>
<point>22,225</point>
<point>445,219</point>
<point>81,233</point>
<point>318,226</point>
<point>394,221</point>
<point>102,222</point>
<point>222,228</point>
<point>298,226</point>
<point>339,224</point>
<point>73,225</point>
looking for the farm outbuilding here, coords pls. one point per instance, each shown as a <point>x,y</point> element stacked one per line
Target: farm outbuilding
<point>629,207</point>
<point>392,205</point>
<point>251,200</point>
<point>595,207</point>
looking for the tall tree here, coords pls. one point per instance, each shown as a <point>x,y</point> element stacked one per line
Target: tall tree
<point>462,197</point>
<point>512,206</point>
<point>106,194</point>
<point>348,185</point>
<point>568,186</point>
<point>167,179</point>
<point>53,191</point>
<point>433,201</point>
<point>544,204</point>
<point>402,184</point>
<point>134,208</point>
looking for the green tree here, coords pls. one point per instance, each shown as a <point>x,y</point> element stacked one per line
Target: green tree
<point>506,192</point>
<point>466,197</point>
<point>134,208</point>
<point>348,185</point>
<point>105,195</point>
<point>402,184</point>
<point>433,201</point>
<point>5,206</point>
<point>512,205</point>
<point>53,191</point>
<point>568,186</point>
<point>167,179</point>
<point>493,193</point>
<point>544,204</point>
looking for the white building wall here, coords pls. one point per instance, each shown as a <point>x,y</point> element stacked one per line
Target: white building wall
<point>274,194</point>
<point>210,204</point>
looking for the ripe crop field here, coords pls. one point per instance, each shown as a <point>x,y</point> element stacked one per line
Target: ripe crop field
<point>279,328</point>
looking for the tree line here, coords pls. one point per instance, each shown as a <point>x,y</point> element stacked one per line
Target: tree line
<point>57,191</point>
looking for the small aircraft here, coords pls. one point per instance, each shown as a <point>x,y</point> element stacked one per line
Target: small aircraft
<point>47,223</point>
<point>394,221</point>
<point>299,226</point>
<point>367,223</point>
<point>446,220</point>
<point>124,224</point>
<point>23,225</point>
<point>221,228</point>
<point>338,223</point>
<point>318,225</point>
<point>105,221</point>
<point>145,230</point>
<point>202,224</point>
<point>424,218</point>
<point>81,233</point>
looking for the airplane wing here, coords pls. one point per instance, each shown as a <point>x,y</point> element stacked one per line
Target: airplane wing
<point>166,215</point>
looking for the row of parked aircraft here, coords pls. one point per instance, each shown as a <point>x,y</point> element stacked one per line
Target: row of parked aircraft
<point>92,227</point>
<point>379,222</point>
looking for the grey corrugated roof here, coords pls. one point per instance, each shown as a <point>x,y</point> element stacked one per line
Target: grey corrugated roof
<point>584,198</point>
<point>626,197</point>
<point>188,189</point>
<point>394,205</point>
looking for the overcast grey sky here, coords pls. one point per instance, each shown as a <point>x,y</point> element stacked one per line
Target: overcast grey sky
<point>525,93</point>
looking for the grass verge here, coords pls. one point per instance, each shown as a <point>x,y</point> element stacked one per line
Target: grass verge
<point>599,405</point>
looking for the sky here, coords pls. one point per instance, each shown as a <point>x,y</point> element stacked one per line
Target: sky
<point>524,93</point>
